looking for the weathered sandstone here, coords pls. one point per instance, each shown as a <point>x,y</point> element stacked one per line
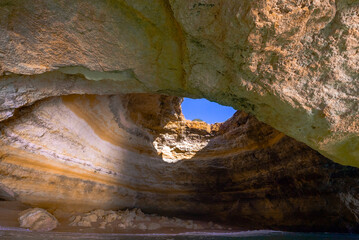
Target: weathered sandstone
<point>83,152</point>
<point>6,194</point>
<point>37,219</point>
<point>292,64</point>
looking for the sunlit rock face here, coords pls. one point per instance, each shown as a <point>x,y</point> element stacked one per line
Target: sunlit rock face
<point>82,152</point>
<point>293,65</point>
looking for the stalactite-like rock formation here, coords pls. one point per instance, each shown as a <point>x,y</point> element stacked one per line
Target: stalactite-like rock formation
<point>294,65</point>
<point>82,152</point>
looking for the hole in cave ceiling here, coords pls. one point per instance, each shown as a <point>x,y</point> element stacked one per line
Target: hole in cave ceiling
<point>207,111</point>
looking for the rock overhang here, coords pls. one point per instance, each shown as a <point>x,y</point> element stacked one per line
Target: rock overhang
<point>80,108</point>
<point>292,66</point>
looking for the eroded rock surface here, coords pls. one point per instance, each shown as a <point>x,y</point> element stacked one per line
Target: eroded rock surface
<point>6,194</point>
<point>135,219</point>
<point>37,219</point>
<point>84,152</point>
<point>292,64</point>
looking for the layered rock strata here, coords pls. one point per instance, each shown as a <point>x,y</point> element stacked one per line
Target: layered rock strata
<point>292,64</point>
<point>82,152</point>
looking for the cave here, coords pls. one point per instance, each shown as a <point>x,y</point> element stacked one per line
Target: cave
<point>138,151</point>
<point>93,137</point>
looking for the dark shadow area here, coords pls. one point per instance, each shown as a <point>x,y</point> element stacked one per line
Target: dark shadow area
<point>284,185</point>
<point>6,194</point>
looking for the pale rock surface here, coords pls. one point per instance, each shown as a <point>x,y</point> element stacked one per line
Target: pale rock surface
<point>37,219</point>
<point>135,219</point>
<point>292,64</point>
<point>154,226</point>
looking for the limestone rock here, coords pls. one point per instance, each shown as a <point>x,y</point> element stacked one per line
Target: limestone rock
<point>135,219</point>
<point>154,226</point>
<point>110,217</point>
<point>91,218</point>
<point>37,219</point>
<point>137,150</point>
<point>6,194</point>
<point>84,223</point>
<point>142,226</point>
<point>293,65</point>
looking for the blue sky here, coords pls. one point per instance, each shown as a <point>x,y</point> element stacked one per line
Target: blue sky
<point>209,112</point>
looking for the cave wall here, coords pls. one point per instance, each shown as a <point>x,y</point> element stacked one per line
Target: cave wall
<point>84,125</point>
<point>82,152</point>
<point>293,65</point>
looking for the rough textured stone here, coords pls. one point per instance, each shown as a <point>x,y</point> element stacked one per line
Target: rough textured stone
<point>135,219</point>
<point>83,152</point>
<point>292,64</point>
<point>37,219</point>
<point>6,194</point>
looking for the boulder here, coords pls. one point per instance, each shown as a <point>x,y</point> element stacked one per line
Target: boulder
<point>37,219</point>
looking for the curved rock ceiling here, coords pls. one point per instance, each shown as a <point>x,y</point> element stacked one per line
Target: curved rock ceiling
<point>294,66</point>
<point>82,152</point>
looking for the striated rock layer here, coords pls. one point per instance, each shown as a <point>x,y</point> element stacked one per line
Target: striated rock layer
<point>37,219</point>
<point>82,152</point>
<point>292,64</point>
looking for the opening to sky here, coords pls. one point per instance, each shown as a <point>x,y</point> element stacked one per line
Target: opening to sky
<point>209,112</point>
